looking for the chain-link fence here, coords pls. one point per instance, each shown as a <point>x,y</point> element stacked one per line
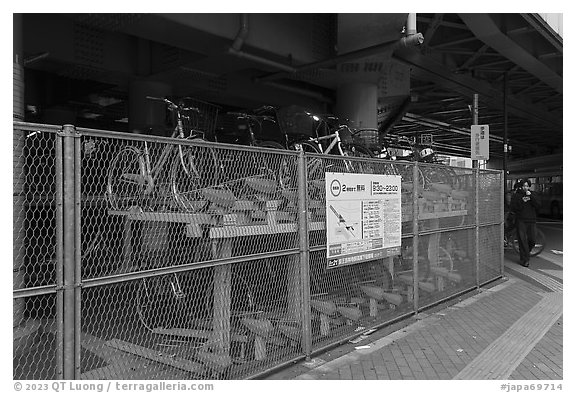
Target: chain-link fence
<point>139,257</point>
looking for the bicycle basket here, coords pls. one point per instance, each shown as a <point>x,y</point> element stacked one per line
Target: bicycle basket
<point>369,137</point>
<point>346,135</point>
<point>205,120</point>
<point>293,119</point>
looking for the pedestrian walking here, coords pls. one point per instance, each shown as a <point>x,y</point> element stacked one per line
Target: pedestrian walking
<point>525,205</point>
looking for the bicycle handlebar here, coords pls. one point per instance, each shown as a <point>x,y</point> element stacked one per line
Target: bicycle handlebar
<point>172,106</point>
<point>323,116</point>
<point>248,116</point>
<point>400,139</point>
<point>265,108</point>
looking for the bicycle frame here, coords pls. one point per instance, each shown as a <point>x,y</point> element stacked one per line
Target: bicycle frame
<point>152,171</point>
<point>336,142</point>
<point>251,121</point>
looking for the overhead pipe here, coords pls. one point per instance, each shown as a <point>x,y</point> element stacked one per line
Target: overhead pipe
<point>387,125</point>
<point>261,60</point>
<point>238,43</point>
<point>35,58</point>
<point>242,33</point>
<point>427,122</point>
<point>407,41</point>
<point>299,90</point>
<point>235,49</point>
<point>411,39</point>
<point>411,24</point>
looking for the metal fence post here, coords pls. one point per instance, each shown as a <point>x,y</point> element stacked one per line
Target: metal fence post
<point>501,240</point>
<point>19,175</point>
<point>68,254</point>
<point>304,255</point>
<point>59,200</point>
<point>416,238</point>
<point>477,224</point>
<point>78,251</point>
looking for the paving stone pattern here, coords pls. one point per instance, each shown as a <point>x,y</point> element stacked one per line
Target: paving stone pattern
<point>451,338</point>
<point>545,359</point>
<point>448,344</point>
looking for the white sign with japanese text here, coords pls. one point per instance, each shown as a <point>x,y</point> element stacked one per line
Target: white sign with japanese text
<point>363,217</point>
<point>479,140</point>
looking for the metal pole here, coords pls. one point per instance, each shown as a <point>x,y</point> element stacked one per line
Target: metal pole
<point>505,159</point>
<point>477,225</point>
<point>504,181</point>
<point>475,121</point>
<point>69,264</point>
<point>77,253</point>
<point>19,175</point>
<point>304,256</point>
<point>59,163</point>
<point>503,185</point>
<point>416,238</point>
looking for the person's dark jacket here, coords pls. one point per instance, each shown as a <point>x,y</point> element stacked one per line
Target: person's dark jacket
<point>524,206</point>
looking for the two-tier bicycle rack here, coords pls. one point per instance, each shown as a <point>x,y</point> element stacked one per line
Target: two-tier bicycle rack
<point>250,345</point>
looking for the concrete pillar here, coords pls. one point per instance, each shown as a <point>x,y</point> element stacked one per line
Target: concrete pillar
<point>18,84</point>
<point>146,116</point>
<point>358,102</point>
<point>58,115</point>
<point>19,176</point>
<point>373,83</point>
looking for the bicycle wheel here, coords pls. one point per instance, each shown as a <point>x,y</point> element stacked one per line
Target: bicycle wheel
<point>267,167</point>
<point>270,145</point>
<point>186,300</point>
<point>450,176</point>
<point>315,166</point>
<point>306,146</point>
<point>256,178</point>
<point>354,150</point>
<point>127,179</point>
<point>436,174</point>
<point>540,243</point>
<point>373,272</point>
<point>385,167</point>
<point>445,260</point>
<point>158,305</point>
<point>406,172</point>
<point>192,170</point>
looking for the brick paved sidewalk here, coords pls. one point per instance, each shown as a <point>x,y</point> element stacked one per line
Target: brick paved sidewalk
<point>512,330</point>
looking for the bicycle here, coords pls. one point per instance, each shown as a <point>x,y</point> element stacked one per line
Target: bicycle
<point>168,303</point>
<point>134,181</point>
<point>337,140</point>
<point>195,180</point>
<point>430,175</point>
<point>250,121</point>
<point>340,137</point>
<point>511,242</point>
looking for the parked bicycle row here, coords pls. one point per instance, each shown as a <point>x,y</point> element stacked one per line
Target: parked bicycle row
<point>195,177</point>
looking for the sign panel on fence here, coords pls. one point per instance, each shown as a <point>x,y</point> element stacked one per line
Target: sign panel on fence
<point>480,142</point>
<point>363,217</point>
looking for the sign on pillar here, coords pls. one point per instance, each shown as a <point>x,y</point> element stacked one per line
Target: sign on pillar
<point>480,148</point>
